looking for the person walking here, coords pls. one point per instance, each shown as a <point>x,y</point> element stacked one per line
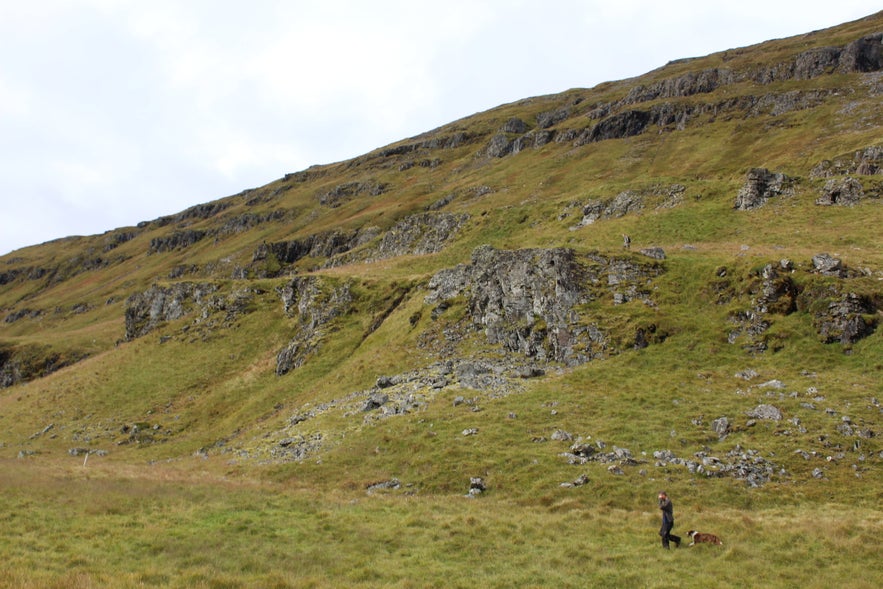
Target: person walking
<point>668,521</point>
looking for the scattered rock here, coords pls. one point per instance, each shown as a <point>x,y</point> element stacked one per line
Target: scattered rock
<point>657,253</point>
<point>721,426</point>
<point>767,412</point>
<point>828,265</point>
<point>476,487</point>
<point>391,484</point>
<point>375,401</point>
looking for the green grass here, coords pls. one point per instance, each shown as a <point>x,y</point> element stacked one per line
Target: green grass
<point>84,530</point>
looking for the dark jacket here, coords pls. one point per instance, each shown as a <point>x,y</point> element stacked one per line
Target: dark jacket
<point>667,511</point>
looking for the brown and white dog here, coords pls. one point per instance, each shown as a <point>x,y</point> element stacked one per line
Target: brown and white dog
<point>700,538</point>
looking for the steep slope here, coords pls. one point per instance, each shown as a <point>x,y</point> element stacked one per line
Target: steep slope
<point>478,273</point>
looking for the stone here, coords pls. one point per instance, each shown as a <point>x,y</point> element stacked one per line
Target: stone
<point>657,253</point>
<point>845,191</point>
<point>760,186</point>
<point>721,426</point>
<point>514,125</point>
<point>828,265</point>
<point>476,486</point>
<point>375,401</point>
<point>767,412</point>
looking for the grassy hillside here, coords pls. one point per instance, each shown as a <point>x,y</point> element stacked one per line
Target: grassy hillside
<point>279,389</point>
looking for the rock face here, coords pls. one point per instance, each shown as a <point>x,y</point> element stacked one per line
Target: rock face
<point>841,191</point>
<point>345,192</point>
<point>772,292</point>
<point>314,305</point>
<point>25,363</point>
<point>847,320</point>
<point>865,162</point>
<point>525,300</point>
<point>158,304</point>
<point>423,233</point>
<point>420,234</point>
<point>760,186</point>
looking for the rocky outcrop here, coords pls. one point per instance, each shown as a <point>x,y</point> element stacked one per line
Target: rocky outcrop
<point>525,300</point>
<point>621,119</point>
<point>415,235</point>
<point>313,304</point>
<point>176,241</point>
<point>159,304</point>
<point>270,259</point>
<point>846,191</point>
<point>760,186</point>
<point>19,364</point>
<point>865,162</point>
<point>350,190</point>
<point>420,234</point>
<point>772,292</point>
<point>846,320</point>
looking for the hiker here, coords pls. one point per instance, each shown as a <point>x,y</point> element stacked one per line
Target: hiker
<point>626,241</point>
<point>668,521</point>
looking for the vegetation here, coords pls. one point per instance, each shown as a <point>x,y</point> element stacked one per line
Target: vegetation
<point>185,457</point>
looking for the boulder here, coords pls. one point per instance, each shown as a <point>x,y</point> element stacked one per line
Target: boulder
<point>828,265</point>
<point>767,412</point>
<point>846,191</point>
<point>721,426</point>
<point>847,320</point>
<point>761,185</point>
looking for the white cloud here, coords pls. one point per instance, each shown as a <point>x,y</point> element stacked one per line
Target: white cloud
<point>117,111</point>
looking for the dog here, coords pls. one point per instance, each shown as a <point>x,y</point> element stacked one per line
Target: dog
<point>700,538</point>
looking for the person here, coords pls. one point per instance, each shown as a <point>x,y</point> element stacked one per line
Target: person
<point>668,521</point>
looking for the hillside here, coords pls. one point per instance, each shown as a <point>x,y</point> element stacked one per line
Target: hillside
<point>671,281</point>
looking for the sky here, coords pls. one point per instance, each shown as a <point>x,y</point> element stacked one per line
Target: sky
<point>114,112</point>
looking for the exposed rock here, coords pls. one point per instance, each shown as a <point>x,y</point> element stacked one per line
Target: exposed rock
<point>178,240</point>
<point>420,234</point>
<point>499,146</point>
<point>862,55</point>
<point>846,192</point>
<point>760,186</point>
<point>391,484</point>
<point>553,117</point>
<point>375,401</point>
<point>273,257</point>
<point>747,374</point>
<point>23,314</point>
<point>657,253</point>
<point>514,125</point>
<point>847,320</point>
<point>314,304</point>
<point>619,126</point>
<point>768,412</point>
<point>865,162</point>
<point>147,310</point>
<point>745,465</point>
<point>350,190</point>
<point>828,265</point>
<point>771,293</point>
<point>476,486</point>
<point>721,426</point>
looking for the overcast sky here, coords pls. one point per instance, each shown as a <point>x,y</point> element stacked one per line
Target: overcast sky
<point>115,111</point>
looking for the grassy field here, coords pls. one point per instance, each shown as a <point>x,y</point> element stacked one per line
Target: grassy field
<point>174,526</point>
